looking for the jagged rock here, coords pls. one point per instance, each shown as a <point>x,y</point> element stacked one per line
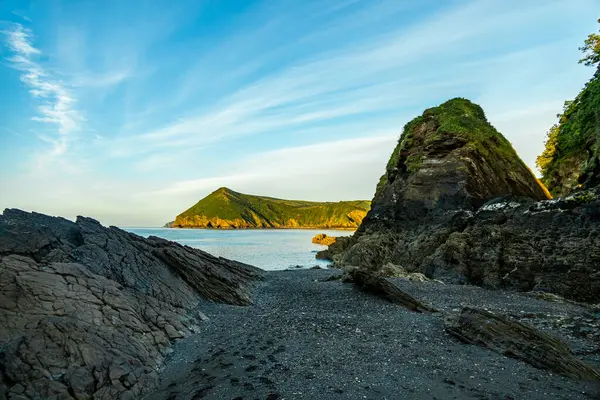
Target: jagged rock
<point>514,339</point>
<point>88,311</point>
<point>550,246</point>
<point>457,204</point>
<point>378,285</point>
<point>322,238</point>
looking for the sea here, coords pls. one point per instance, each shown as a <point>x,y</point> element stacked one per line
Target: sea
<point>269,249</point>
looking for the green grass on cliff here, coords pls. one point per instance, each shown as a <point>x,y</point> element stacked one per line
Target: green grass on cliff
<point>227,204</point>
<point>572,151</point>
<point>463,120</point>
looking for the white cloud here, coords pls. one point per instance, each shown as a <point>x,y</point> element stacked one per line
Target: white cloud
<point>413,65</point>
<point>56,103</point>
<point>333,170</point>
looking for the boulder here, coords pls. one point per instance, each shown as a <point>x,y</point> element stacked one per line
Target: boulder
<point>322,238</point>
<point>378,285</point>
<point>514,339</point>
<point>90,312</point>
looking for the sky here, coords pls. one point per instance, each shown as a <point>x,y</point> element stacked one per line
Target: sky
<point>131,111</point>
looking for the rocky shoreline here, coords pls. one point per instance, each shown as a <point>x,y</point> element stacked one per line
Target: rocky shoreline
<point>91,312</point>
<point>95,312</point>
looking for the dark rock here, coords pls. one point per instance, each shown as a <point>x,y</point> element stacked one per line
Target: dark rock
<point>323,255</point>
<point>341,244</point>
<point>88,311</point>
<point>458,205</point>
<point>516,340</point>
<point>376,284</point>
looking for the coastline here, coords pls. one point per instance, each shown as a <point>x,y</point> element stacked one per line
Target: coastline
<point>262,229</point>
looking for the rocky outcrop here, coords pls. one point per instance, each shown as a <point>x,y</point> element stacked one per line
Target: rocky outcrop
<point>228,209</point>
<point>457,204</point>
<point>324,239</point>
<point>516,340</point>
<point>170,224</point>
<point>90,312</point>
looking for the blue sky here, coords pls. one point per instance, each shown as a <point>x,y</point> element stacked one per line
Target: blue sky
<point>131,111</point>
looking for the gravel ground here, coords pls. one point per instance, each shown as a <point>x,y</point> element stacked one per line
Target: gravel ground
<point>307,338</point>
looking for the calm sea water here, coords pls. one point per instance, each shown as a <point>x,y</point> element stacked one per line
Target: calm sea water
<point>270,249</point>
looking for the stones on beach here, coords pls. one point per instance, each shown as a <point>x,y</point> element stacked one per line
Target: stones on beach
<point>514,339</point>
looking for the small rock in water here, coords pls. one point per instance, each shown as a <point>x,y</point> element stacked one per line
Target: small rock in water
<point>202,316</point>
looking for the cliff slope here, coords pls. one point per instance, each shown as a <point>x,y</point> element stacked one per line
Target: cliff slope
<point>456,203</point>
<point>571,159</point>
<point>225,208</point>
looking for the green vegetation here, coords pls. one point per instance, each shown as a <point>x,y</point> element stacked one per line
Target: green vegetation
<point>571,157</point>
<point>591,49</point>
<point>459,119</point>
<point>225,208</point>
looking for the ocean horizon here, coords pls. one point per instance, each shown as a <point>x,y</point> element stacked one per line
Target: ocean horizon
<point>268,249</point>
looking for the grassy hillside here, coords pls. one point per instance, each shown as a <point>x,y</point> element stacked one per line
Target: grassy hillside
<point>225,208</point>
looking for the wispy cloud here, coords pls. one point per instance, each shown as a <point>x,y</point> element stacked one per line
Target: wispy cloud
<point>403,67</point>
<point>257,172</point>
<point>11,131</point>
<point>24,17</point>
<point>56,104</point>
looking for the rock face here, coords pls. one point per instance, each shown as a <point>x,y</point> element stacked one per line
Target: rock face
<point>457,204</point>
<point>323,239</point>
<point>519,341</point>
<point>227,209</point>
<point>90,312</point>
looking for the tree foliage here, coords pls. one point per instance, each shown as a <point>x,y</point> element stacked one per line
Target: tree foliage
<point>591,49</point>
<point>571,156</point>
<point>544,159</point>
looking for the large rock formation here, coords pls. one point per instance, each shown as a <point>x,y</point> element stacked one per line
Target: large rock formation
<point>90,312</point>
<point>227,209</point>
<point>456,203</point>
